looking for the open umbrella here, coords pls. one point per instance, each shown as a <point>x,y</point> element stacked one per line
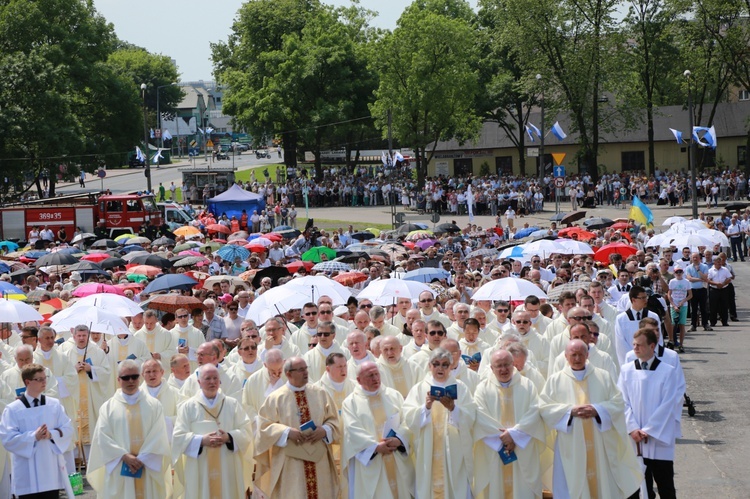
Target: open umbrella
<point>153,260</point>
<point>271,236</point>
<point>363,236</point>
<point>557,217</point>
<point>248,275</point>
<point>573,216</point>
<point>525,232</point>
<point>189,261</point>
<point>349,279</point>
<point>49,307</point>
<point>139,240</point>
<point>352,257</point>
<point>231,251</point>
<point>104,243</point>
<point>169,282</point>
<point>7,290</point>
<point>736,206</point>
<point>112,262</point>
<point>85,267</point>
<point>240,234</point>
<point>255,247</point>
<point>621,226</point>
<point>217,228</point>
<point>171,302</point>
<point>163,241</point>
<point>18,311</point>
<point>508,288</point>
<point>409,227</point>
<point>597,223</point>
<point>124,238</point>
<point>313,287</point>
<point>84,236</point>
<point>96,288</point>
<point>135,254</point>
<point>602,255</point>
<point>512,252</point>
<point>187,245</point>
<point>187,230</point>
<point>581,234</point>
<point>715,236</point>
<point>95,257</point>
<point>289,234</point>
<point>449,228</point>
<point>55,259</point>
<point>145,270</point>
<point>423,244</point>
<point>393,250</point>
<point>316,254</point>
<point>99,320</point>
<point>427,275</point>
<point>575,247</point>
<point>388,291</point>
<point>8,245</point>
<point>114,303</point>
<point>275,301</point>
<point>274,272</point>
<point>483,252</point>
<point>295,266</point>
<point>684,240</point>
<point>674,220</point>
<point>332,266</point>
<point>416,235</point>
<point>543,248</point>
<point>282,228</point>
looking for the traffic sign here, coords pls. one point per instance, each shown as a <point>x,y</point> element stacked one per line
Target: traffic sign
<point>400,217</point>
<point>559,157</point>
<point>559,182</point>
<point>101,173</point>
<point>558,171</point>
<point>210,144</point>
<point>435,218</point>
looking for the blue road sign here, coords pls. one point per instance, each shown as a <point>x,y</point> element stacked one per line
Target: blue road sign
<point>558,171</point>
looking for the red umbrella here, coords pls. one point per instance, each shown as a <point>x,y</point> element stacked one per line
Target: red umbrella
<point>602,254</point>
<point>273,236</point>
<point>621,226</point>
<point>350,278</point>
<point>134,286</point>
<point>583,235</point>
<point>96,257</point>
<point>295,266</point>
<point>147,270</point>
<point>255,248</point>
<point>218,228</point>
<point>93,288</point>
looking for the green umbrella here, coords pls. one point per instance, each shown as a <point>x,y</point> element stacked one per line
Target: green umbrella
<point>137,278</point>
<point>316,254</point>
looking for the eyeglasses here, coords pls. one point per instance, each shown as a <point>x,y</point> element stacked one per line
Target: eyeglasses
<point>678,271</point>
<point>503,310</point>
<point>39,380</point>
<point>253,336</point>
<point>251,347</point>
<point>325,312</point>
<point>536,261</point>
<point>367,305</point>
<point>581,317</point>
<point>130,377</point>
<point>310,345</point>
<point>426,300</point>
<point>444,365</point>
<point>325,335</point>
<point>232,309</point>
<point>433,333</point>
<point>308,314</point>
<point>185,316</point>
<point>523,322</point>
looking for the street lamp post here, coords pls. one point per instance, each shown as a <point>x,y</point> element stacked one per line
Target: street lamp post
<point>691,148</point>
<point>145,139</point>
<point>541,139</point>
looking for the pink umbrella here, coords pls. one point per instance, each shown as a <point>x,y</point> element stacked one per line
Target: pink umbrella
<point>425,243</point>
<point>189,253</point>
<point>96,257</point>
<point>93,288</point>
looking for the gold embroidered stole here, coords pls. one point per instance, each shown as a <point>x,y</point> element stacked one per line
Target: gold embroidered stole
<point>399,380</point>
<point>135,429</point>
<point>47,362</point>
<point>83,404</point>
<point>311,473</point>
<point>151,341</point>
<point>507,420</point>
<point>378,413</point>
<point>582,397</point>
<point>213,455</point>
<point>122,351</point>
<point>438,450</point>
<point>470,349</point>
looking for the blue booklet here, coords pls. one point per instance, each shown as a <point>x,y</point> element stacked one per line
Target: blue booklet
<point>440,392</point>
<point>182,342</point>
<point>89,362</point>
<point>477,357</point>
<point>310,425</point>
<point>131,357</point>
<point>20,391</point>
<point>507,457</point>
<point>125,471</point>
<point>60,341</point>
<point>392,434</point>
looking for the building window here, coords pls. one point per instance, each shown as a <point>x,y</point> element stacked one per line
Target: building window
<point>462,167</point>
<point>633,161</point>
<point>504,165</point>
<point>741,155</point>
<point>743,94</point>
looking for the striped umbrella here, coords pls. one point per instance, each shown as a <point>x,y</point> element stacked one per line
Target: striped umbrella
<point>332,266</point>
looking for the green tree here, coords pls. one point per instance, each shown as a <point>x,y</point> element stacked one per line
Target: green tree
<point>427,79</point>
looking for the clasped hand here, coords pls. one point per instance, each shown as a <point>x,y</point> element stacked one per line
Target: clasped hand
<point>388,445</point>
<point>314,436</point>
<point>584,411</point>
<point>215,439</point>
<point>132,462</point>
<point>42,433</point>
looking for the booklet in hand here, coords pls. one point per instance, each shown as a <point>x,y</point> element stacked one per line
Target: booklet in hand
<point>440,392</point>
<point>477,357</point>
<point>182,342</point>
<point>507,457</point>
<point>310,425</point>
<point>125,471</point>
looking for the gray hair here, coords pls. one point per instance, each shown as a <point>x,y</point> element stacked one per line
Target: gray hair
<point>329,327</point>
<point>209,302</point>
<point>376,312</point>
<point>150,313</point>
<point>288,363</point>
<point>81,327</point>
<point>273,356</point>
<point>516,349</point>
<point>441,354</point>
<point>24,349</point>
<point>127,364</point>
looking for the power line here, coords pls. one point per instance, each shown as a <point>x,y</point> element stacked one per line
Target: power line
<point>325,125</point>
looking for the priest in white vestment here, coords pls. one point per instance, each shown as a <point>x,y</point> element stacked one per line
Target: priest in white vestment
<point>248,362</point>
<point>188,337</point>
<point>442,440</point>
<point>213,438</point>
<point>395,371</point>
<point>316,357</point>
<point>161,343</point>
<point>593,457</point>
<point>262,383</point>
<point>130,455</point>
<point>511,403</point>
<point>36,432</point>
<point>375,450</point>
<point>298,424</point>
<point>125,346</point>
<point>12,385</point>
<point>208,353</point>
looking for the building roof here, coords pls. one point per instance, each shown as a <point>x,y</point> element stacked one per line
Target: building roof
<point>730,120</point>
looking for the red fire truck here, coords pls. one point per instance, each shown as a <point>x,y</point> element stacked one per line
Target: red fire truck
<point>121,214</point>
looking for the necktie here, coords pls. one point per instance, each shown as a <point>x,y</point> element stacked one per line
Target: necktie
<point>644,365</point>
<point>638,315</point>
<point>36,402</point>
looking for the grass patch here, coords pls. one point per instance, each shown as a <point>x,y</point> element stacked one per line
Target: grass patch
<point>273,170</point>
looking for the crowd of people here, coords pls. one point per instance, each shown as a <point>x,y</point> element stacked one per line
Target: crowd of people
<point>575,387</point>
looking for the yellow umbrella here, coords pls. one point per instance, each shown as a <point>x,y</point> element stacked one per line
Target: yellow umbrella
<point>375,232</point>
<point>416,235</point>
<point>187,230</point>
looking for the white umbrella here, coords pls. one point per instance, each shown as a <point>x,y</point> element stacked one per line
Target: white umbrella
<point>316,286</point>
<point>575,247</point>
<point>508,288</point>
<point>82,236</point>
<point>674,220</point>
<point>715,236</point>
<point>686,240</point>
<point>18,311</point>
<point>109,302</point>
<point>97,319</point>
<point>273,302</point>
<point>544,248</point>
<point>388,291</point>
<point>688,226</point>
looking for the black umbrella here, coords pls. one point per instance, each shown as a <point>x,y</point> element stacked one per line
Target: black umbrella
<point>163,241</point>
<point>104,243</point>
<point>408,227</point>
<point>557,217</point>
<point>274,272</point>
<point>598,223</point>
<point>289,233</point>
<point>56,258</point>
<point>449,228</point>
<point>19,275</point>
<point>352,257</point>
<point>573,216</point>
<point>736,206</point>
<point>84,266</point>
<point>153,260</point>
<point>113,262</point>
<point>363,236</point>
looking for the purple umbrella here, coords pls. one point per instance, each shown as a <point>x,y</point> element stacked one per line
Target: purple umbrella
<point>425,243</point>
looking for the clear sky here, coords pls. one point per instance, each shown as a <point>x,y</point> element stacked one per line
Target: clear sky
<point>183,29</point>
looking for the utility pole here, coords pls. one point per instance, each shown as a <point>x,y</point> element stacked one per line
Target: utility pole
<point>691,149</point>
<point>145,140</point>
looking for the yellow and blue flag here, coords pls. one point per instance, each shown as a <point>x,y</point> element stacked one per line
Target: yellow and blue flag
<point>641,213</point>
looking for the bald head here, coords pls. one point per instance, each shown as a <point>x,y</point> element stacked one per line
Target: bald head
<point>501,363</point>
<point>576,353</point>
<point>368,376</point>
<point>209,380</point>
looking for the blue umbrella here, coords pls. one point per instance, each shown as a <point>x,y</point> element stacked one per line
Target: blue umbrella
<point>282,228</point>
<point>231,251</point>
<point>255,235</point>
<point>540,233</point>
<point>426,275</point>
<point>169,282</point>
<point>131,247</point>
<point>9,245</point>
<point>4,268</point>
<point>7,288</point>
<point>36,254</point>
<point>525,232</point>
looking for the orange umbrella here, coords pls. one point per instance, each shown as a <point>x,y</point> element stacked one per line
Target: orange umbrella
<point>248,275</point>
<point>49,307</point>
<point>218,228</point>
<point>295,266</point>
<point>171,302</point>
<point>583,235</point>
<point>350,278</point>
<point>186,230</point>
<point>147,270</point>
